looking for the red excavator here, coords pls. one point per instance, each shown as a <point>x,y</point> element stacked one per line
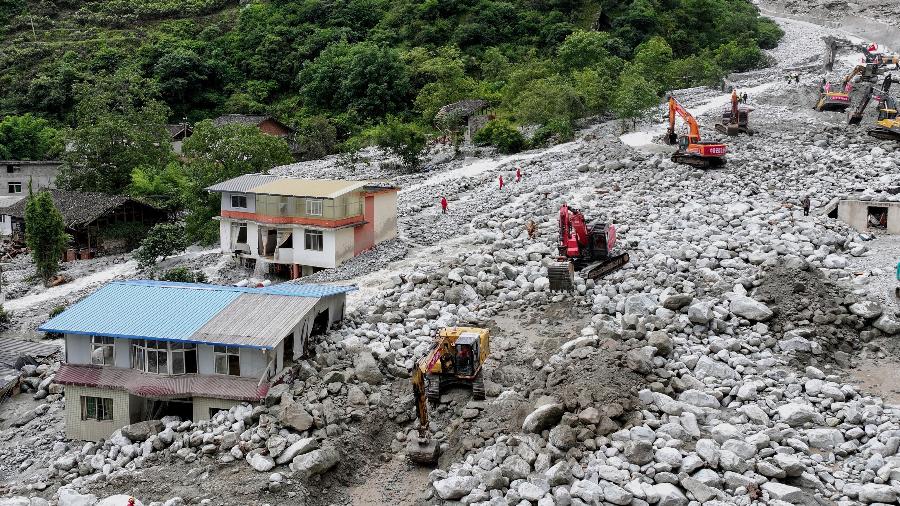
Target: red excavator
<point>736,119</point>
<point>691,150</point>
<point>587,247</point>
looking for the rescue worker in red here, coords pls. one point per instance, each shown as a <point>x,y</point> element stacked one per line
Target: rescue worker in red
<point>444,204</point>
<point>465,358</point>
<point>518,174</point>
<point>501,181</point>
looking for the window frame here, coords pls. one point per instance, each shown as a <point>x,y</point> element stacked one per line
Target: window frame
<point>102,408</point>
<point>308,240</point>
<point>145,352</point>
<point>312,205</point>
<point>235,206</point>
<point>105,342</point>
<point>230,357</point>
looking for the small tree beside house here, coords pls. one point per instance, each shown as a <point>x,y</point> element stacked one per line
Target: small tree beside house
<point>163,240</point>
<point>45,234</point>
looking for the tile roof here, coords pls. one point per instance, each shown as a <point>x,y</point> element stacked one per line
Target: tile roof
<point>162,386</point>
<point>77,208</point>
<point>169,311</point>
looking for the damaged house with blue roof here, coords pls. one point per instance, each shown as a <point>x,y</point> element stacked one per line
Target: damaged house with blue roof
<point>141,350</point>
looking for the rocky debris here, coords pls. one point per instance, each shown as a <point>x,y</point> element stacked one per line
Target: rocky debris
<point>141,431</point>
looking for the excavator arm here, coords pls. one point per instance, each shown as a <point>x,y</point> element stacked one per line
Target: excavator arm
<point>856,116</point>
<point>676,109</point>
<point>421,449</point>
<point>857,70</point>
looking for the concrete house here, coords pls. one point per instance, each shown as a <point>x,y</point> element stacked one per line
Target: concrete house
<point>16,175</point>
<point>300,226</point>
<point>141,350</point>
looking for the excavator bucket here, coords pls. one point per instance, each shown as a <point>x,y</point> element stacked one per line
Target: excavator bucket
<point>422,451</point>
<point>728,129</point>
<point>855,118</point>
<point>561,276</point>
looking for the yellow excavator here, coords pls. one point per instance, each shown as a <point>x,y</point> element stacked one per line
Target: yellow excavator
<point>887,127</point>
<point>457,357</point>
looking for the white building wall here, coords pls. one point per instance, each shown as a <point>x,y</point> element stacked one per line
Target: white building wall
<point>251,202</point>
<point>385,216</point>
<point>225,235</point>
<point>324,258</point>
<point>5,224</point>
<point>122,352</point>
<point>343,245</point>
<point>254,362</point>
<point>206,362</point>
<point>78,349</point>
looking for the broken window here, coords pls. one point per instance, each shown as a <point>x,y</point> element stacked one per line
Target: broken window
<point>313,240</point>
<point>286,240</point>
<point>14,187</point>
<point>239,201</point>
<point>877,217</point>
<point>102,350</point>
<point>157,357</point>
<point>228,360</point>
<point>314,207</point>
<point>242,234</point>
<point>184,358</point>
<point>96,408</point>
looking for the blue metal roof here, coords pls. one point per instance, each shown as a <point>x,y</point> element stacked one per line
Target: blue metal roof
<point>170,311</point>
<point>141,311</point>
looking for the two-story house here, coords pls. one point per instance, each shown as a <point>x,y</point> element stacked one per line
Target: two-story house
<point>141,350</point>
<point>304,225</point>
<point>15,178</point>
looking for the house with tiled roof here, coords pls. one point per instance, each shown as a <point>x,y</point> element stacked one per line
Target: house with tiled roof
<point>141,350</point>
<point>300,226</point>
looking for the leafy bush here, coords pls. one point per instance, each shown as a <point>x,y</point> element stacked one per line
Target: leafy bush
<point>163,240</point>
<point>131,234</point>
<point>768,33</point>
<point>184,275</point>
<point>5,317</point>
<point>501,134</point>
<point>45,234</point>
<point>56,311</point>
<point>405,140</point>
<point>554,131</point>
<point>739,57</point>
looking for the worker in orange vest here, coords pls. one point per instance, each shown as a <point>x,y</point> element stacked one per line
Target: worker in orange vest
<point>501,181</point>
<point>444,204</point>
<point>518,174</point>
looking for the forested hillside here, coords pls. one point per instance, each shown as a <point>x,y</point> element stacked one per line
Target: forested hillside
<point>348,64</point>
<point>103,77</point>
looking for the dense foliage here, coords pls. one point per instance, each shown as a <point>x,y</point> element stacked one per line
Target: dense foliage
<point>163,240</point>
<point>45,234</point>
<point>335,69</point>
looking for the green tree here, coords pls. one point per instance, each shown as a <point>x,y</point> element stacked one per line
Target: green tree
<point>166,188</point>
<point>634,95</point>
<point>654,57</point>
<point>316,138</point>
<point>546,100</point>
<point>583,49</point>
<point>215,154</point>
<point>120,126</point>
<point>405,140</point>
<point>365,77</point>
<point>163,240</point>
<point>27,137</point>
<point>45,234</point>
<point>502,134</point>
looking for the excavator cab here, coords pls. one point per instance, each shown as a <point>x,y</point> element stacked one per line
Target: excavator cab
<point>588,248</point>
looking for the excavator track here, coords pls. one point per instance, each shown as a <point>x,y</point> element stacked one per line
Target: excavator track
<point>885,134</point>
<point>698,161</point>
<point>597,270</point>
<point>478,387</point>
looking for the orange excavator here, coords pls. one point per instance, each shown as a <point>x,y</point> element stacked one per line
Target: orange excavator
<point>736,119</point>
<point>691,150</point>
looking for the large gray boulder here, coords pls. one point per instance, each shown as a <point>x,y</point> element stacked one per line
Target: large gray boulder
<point>315,462</point>
<point>707,367</point>
<point>293,415</point>
<point>542,418</point>
<point>69,497</point>
<point>366,368</point>
<point>455,487</point>
<point>669,495</point>
<point>867,309</point>
<point>301,447</point>
<point>796,414</point>
<point>749,308</point>
<point>141,431</point>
